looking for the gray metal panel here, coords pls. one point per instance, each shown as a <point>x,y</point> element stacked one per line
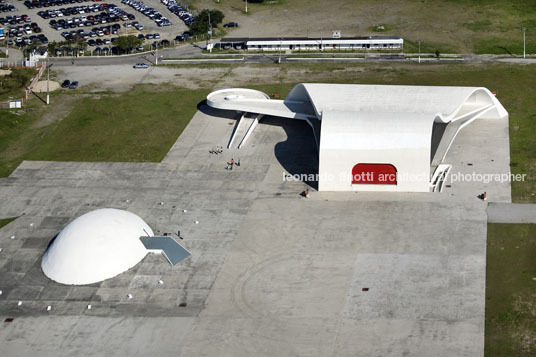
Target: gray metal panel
<point>173,251</point>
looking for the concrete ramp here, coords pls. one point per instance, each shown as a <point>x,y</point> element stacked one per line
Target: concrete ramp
<point>173,251</point>
<point>243,129</point>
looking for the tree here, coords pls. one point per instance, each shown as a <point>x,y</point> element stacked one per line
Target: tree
<point>77,43</point>
<point>127,43</point>
<point>437,53</point>
<point>201,24</point>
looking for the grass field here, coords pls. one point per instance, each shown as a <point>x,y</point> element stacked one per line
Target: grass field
<point>510,290</point>
<point>451,26</point>
<point>137,126</point>
<point>6,221</point>
<point>13,85</point>
<point>141,125</point>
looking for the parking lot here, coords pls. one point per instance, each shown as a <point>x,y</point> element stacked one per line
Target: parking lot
<point>92,20</point>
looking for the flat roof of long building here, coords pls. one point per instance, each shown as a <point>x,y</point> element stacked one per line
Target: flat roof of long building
<point>245,39</point>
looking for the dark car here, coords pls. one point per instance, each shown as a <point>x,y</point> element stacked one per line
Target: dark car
<point>73,85</point>
<point>231,24</point>
<point>66,83</point>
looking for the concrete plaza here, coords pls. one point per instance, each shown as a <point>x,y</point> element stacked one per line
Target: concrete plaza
<point>271,273</point>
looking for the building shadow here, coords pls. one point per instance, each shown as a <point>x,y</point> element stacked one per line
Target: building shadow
<point>298,155</point>
<point>217,113</point>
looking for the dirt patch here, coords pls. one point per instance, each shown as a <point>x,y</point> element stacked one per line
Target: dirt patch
<point>63,105</point>
<point>5,72</point>
<point>447,25</point>
<point>121,78</point>
<point>41,86</point>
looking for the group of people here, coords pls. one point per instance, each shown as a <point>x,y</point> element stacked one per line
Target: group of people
<point>232,163</point>
<point>217,150</point>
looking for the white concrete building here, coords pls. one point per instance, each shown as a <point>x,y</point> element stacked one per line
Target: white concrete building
<point>313,43</point>
<point>374,137</point>
<point>96,246</point>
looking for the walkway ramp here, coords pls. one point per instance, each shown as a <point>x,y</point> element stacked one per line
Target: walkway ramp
<point>169,247</point>
<point>243,129</point>
<point>463,118</point>
<point>315,125</point>
<point>511,212</point>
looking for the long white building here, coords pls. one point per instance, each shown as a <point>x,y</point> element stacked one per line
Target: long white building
<point>374,137</point>
<point>318,43</point>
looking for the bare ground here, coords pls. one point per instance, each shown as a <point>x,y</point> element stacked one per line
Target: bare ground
<point>41,86</point>
<point>455,25</point>
<point>62,107</point>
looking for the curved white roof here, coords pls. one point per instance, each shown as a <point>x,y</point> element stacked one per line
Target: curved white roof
<point>96,246</point>
<point>383,124</point>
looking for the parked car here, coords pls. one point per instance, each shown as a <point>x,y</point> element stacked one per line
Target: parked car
<point>141,65</point>
<point>73,85</point>
<point>231,24</point>
<point>66,83</point>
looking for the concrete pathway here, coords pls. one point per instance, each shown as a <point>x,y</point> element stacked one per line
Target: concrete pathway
<point>14,55</point>
<point>511,213</point>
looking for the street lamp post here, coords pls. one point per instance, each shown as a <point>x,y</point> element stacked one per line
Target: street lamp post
<point>48,80</point>
<point>280,45</point>
<point>524,29</point>
<point>419,42</point>
<point>246,6</point>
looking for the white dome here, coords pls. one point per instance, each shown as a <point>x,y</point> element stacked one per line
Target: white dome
<point>96,246</point>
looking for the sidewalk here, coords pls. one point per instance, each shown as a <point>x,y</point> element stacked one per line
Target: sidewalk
<point>511,213</point>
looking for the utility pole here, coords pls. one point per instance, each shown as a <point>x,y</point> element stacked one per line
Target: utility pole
<point>209,40</point>
<point>524,29</point>
<point>280,45</point>
<point>48,80</point>
<point>419,42</point>
<point>246,6</point>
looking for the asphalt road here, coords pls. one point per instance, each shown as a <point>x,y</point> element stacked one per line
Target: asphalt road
<point>192,53</point>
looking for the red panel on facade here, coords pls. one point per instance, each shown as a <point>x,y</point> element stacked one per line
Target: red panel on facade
<point>374,174</point>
